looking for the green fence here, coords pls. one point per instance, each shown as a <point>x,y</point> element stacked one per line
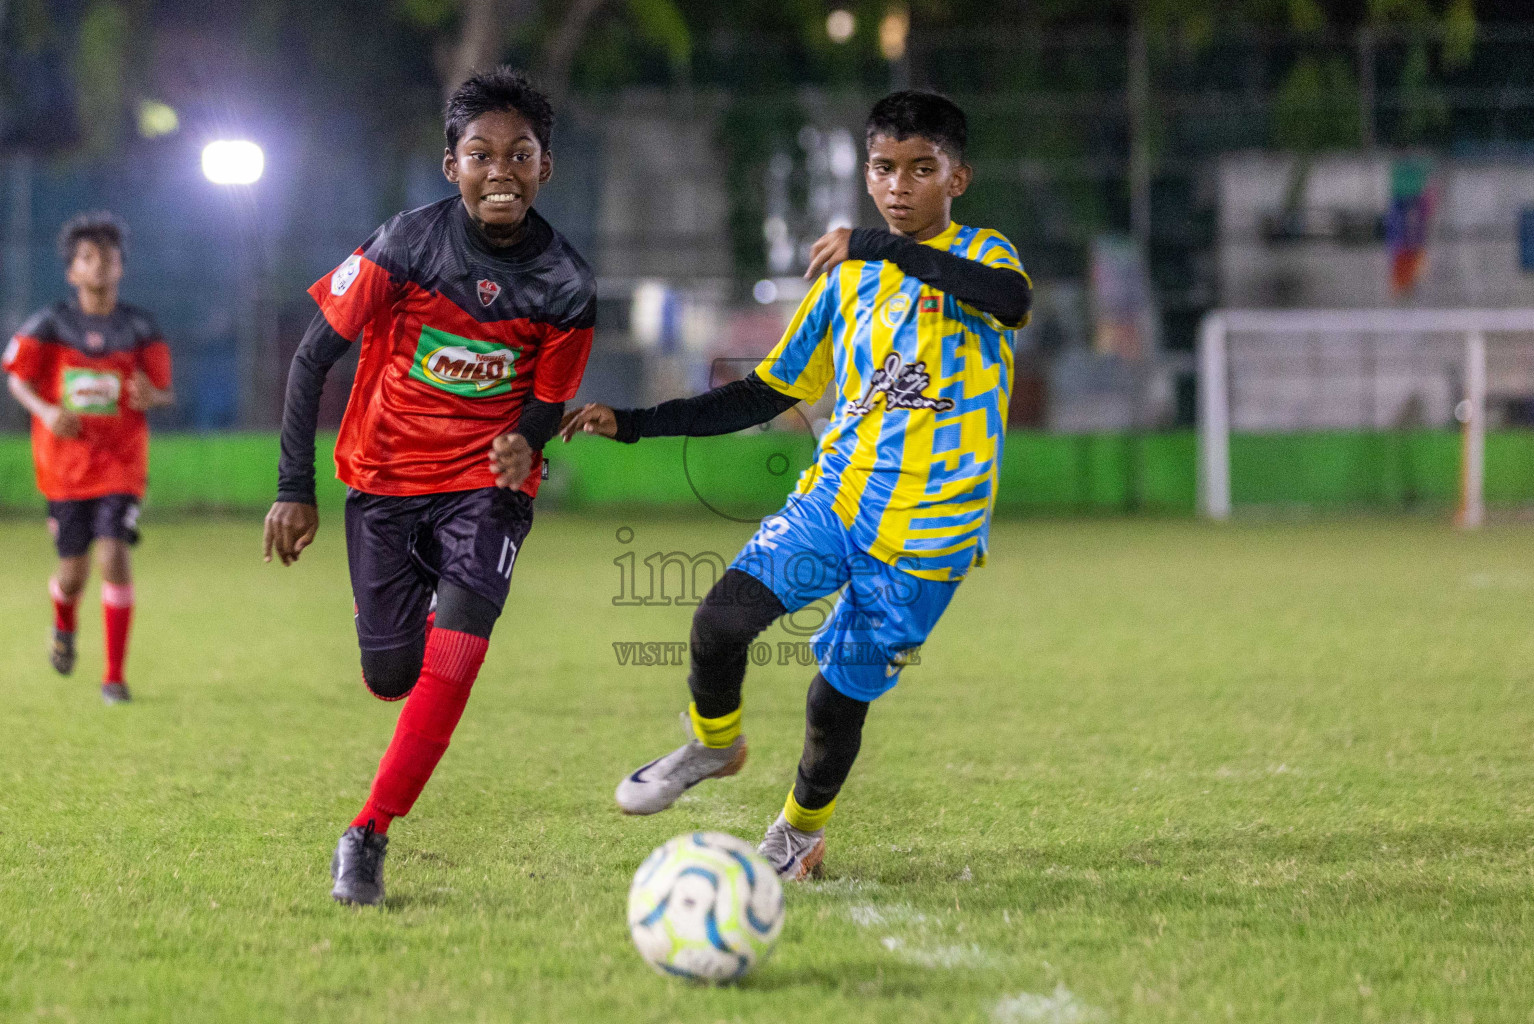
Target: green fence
<point>746,475</point>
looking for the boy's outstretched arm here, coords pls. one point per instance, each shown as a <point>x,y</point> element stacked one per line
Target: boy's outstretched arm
<point>724,410</point>
<point>1000,291</point>
<point>294,519</point>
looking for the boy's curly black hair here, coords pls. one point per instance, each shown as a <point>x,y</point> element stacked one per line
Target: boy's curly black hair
<point>901,115</point>
<point>501,88</point>
<point>98,226</point>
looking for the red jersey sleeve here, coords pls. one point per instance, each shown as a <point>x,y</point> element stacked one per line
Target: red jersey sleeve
<point>561,364</point>
<point>28,354</point>
<point>26,357</point>
<point>362,286</point>
<point>154,359</point>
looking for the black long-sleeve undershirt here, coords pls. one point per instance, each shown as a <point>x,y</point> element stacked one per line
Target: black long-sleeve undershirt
<point>724,410</point>
<point>539,421</point>
<point>319,350</point>
<point>1003,293</point>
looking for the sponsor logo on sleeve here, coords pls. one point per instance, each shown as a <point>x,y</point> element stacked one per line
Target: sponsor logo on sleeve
<point>488,291</point>
<point>345,274</point>
<point>467,367</point>
<point>91,392</point>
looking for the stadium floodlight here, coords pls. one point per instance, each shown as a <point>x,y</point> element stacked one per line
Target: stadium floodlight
<point>1339,357</point>
<point>893,31</point>
<point>233,162</point>
<point>840,25</point>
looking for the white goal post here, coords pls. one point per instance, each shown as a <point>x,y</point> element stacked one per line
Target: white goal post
<point>1214,380</point>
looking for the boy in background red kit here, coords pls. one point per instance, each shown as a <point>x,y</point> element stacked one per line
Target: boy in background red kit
<point>87,370</point>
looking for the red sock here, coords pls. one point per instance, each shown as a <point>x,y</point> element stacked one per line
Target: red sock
<point>425,725</point>
<point>117,612</point>
<point>63,611</point>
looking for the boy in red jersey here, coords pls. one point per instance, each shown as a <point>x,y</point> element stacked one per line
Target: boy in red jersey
<point>87,371</point>
<point>474,320</point>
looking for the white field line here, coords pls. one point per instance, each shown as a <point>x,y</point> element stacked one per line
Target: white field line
<point>1059,1007</point>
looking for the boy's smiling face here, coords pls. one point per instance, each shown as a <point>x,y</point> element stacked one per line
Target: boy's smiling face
<point>914,182</point>
<point>498,166</point>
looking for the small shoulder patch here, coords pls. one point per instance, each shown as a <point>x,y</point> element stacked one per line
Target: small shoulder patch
<point>345,274</point>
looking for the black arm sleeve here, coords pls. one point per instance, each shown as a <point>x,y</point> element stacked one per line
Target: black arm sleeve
<point>316,354</point>
<point>724,410</point>
<point>539,420</point>
<point>1003,293</point>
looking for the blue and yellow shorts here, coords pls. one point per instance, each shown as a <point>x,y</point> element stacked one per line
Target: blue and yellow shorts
<point>802,553</point>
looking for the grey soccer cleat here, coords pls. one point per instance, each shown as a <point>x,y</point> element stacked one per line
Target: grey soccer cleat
<point>61,654</point>
<point>115,693</point>
<point>357,866</point>
<point>656,786</point>
<point>792,853</point>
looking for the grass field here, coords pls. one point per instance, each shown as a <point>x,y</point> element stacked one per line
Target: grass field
<point>1145,772</point>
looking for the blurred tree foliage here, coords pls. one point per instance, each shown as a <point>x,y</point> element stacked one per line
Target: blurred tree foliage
<point>390,64</point>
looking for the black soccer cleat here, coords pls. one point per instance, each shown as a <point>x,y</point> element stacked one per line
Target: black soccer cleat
<point>357,866</point>
<point>61,655</point>
<point>115,693</point>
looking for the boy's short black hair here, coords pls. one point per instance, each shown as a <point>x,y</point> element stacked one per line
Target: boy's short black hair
<point>936,118</point>
<point>501,88</point>
<point>98,226</point>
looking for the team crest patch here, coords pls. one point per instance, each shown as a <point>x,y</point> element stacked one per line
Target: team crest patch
<point>895,309</point>
<point>467,367</point>
<point>345,274</point>
<point>488,291</point>
<point>95,341</point>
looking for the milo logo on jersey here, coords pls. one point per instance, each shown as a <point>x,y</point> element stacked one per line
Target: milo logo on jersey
<point>466,367</point>
<point>91,392</point>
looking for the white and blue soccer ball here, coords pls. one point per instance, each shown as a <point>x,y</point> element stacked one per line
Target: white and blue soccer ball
<point>705,906</point>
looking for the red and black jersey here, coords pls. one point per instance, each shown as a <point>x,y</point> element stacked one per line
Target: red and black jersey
<point>455,336</point>
<point>82,362</point>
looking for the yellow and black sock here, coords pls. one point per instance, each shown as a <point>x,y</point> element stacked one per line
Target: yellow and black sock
<point>716,733</point>
<point>807,819</point>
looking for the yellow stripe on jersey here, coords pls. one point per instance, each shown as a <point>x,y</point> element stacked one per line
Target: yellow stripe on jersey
<point>911,458</point>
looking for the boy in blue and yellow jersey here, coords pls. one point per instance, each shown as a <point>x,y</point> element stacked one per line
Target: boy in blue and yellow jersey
<point>913,326</point>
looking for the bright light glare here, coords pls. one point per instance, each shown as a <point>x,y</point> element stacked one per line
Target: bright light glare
<point>840,24</point>
<point>893,31</point>
<point>233,162</point>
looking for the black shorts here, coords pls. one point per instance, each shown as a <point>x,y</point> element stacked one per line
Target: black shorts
<point>74,524</point>
<point>400,548</point>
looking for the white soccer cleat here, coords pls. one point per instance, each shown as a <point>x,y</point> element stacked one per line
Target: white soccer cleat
<point>795,855</point>
<point>656,786</point>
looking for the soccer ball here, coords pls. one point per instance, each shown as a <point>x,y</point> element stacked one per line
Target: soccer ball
<point>705,906</point>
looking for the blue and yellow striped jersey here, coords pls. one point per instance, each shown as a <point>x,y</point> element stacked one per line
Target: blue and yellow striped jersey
<point>912,454</point>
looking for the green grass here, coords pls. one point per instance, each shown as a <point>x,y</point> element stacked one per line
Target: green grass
<point>1145,772</point>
